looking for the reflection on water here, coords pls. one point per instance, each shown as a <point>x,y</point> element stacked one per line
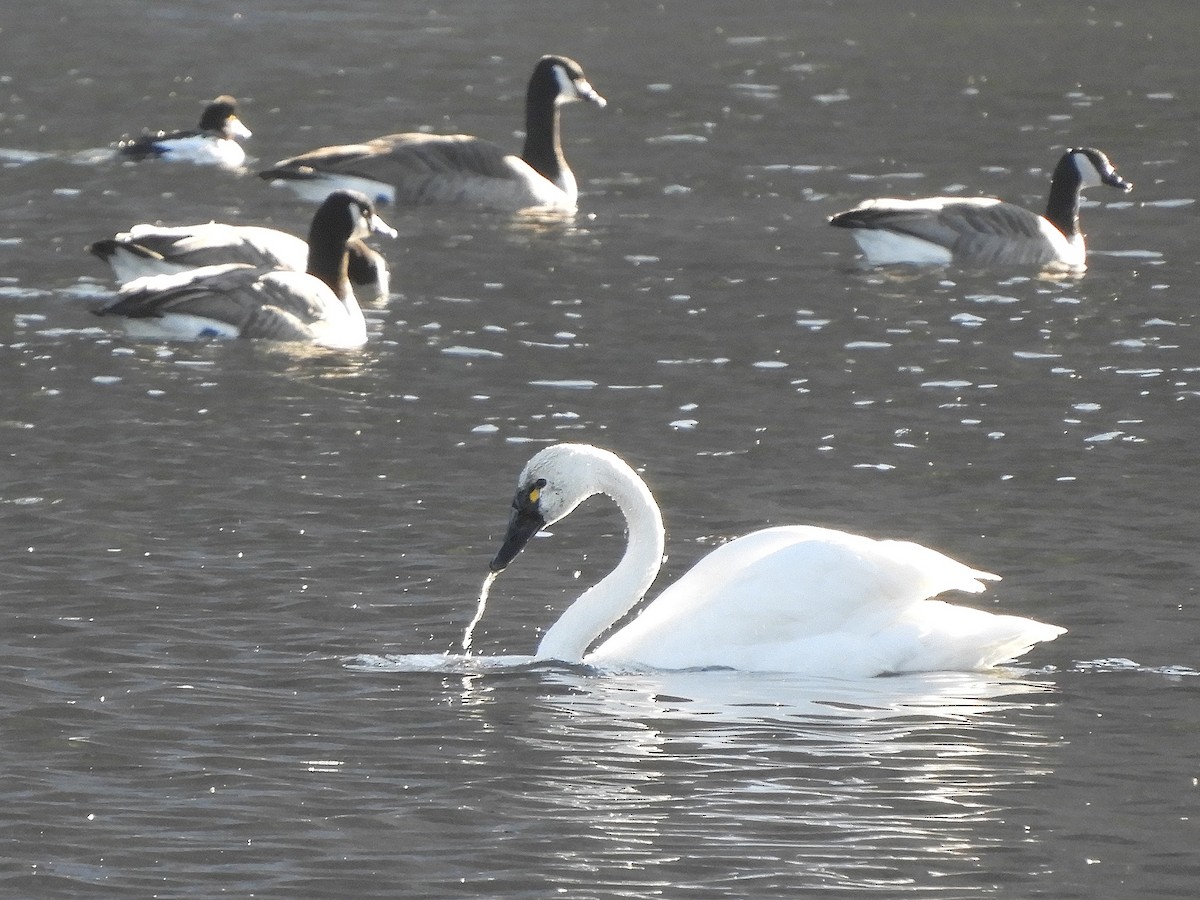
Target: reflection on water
<point>731,696</point>
<point>821,783</point>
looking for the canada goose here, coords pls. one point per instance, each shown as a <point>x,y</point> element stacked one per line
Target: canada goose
<point>166,250</point>
<point>426,169</point>
<point>240,300</point>
<point>982,230</point>
<point>212,142</point>
<point>793,598</point>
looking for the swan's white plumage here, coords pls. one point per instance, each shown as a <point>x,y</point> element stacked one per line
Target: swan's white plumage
<point>793,598</point>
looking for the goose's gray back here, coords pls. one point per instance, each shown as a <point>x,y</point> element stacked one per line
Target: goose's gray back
<point>981,230</point>
<point>279,305</point>
<point>428,169</point>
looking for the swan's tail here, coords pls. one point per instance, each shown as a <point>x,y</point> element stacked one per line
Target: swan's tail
<point>950,637</point>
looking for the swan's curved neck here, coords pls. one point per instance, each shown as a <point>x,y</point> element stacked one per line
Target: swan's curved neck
<point>607,601</point>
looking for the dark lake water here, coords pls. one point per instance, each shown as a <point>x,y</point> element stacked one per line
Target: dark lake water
<point>203,539</point>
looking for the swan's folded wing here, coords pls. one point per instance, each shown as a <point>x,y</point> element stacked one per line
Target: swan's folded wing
<point>785,583</point>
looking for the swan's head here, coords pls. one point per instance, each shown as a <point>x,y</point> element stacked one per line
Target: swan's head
<point>555,481</point>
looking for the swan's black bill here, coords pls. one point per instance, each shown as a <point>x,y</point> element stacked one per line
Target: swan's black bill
<point>524,523</point>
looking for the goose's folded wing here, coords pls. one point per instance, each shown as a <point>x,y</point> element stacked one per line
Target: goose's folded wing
<point>342,158</point>
<point>1002,220</point>
<point>157,295</point>
<point>215,243</point>
<point>445,154</point>
<point>399,155</point>
<point>422,168</point>
<point>301,297</point>
<point>944,220</point>
<point>275,305</point>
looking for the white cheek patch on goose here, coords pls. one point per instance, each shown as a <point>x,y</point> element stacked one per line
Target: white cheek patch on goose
<point>569,90</point>
<point>1089,175</point>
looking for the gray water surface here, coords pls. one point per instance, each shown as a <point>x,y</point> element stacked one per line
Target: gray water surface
<point>216,553</point>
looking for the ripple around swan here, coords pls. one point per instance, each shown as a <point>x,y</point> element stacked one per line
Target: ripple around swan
<point>443,663</point>
<point>730,694</point>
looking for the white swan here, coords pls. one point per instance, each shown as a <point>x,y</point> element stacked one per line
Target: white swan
<point>984,231</point>
<point>795,598</point>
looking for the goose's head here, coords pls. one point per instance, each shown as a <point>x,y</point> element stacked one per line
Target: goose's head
<point>221,116</point>
<point>565,77</point>
<point>1094,169</point>
<point>555,481</point>
<point>349,213</point>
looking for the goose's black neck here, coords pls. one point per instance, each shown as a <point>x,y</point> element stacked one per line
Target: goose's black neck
<point>543,147</point>
<point>1062,207</point>
<point>327,256</point>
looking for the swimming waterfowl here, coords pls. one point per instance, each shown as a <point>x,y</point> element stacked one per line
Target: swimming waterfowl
<point>984,231</point>
<point>239,300</point>
<point>213,142</point>
<point>167,250</point>
<point>420,169</point>
<point>794,598</point>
